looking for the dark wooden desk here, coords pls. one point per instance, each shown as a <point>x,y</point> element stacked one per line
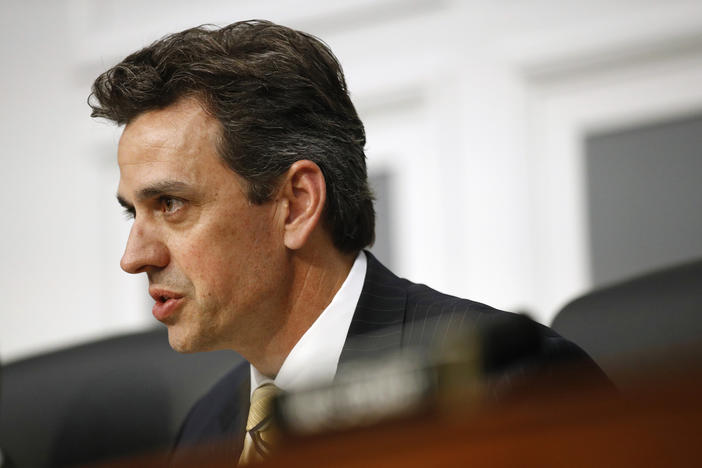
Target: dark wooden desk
<point>655,423</point>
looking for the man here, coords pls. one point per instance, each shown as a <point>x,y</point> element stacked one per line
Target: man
<point>242,165</point>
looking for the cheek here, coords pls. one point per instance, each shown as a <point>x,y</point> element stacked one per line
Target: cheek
<point>210,270</point>
<point>220,260</point>
<point>231,253</point>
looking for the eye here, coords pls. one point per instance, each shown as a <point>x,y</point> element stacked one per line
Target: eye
<point>129,214</point>
<point>170,205</point>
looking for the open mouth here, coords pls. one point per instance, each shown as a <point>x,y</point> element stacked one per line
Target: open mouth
<point>165,302</point>
<point>165,306</point>
<point>162,295</point>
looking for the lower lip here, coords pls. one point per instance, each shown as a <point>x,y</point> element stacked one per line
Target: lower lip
<point>163,310</point>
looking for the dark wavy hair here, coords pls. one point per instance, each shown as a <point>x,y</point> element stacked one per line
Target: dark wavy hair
<point>279,95</point>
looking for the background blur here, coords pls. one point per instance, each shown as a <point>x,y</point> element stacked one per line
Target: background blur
<point>523,152</point>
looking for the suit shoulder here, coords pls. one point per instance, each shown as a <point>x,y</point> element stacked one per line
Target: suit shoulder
<point>428,303</point>
<point>509,340</point>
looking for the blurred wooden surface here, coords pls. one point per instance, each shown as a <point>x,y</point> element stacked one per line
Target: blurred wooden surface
<point>655,423</point>
<point>658,424</point>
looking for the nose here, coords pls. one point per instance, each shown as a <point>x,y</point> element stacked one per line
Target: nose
<point>144,251</point>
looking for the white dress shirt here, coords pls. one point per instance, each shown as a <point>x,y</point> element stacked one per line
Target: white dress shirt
<point>314,358</point>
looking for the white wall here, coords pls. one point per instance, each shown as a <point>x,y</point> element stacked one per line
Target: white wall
<point>477,107</point>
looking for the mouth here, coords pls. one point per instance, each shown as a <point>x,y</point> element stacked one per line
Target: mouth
<point>165,302</point>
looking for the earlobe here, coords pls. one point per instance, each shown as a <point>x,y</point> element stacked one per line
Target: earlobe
<point>304,190</point>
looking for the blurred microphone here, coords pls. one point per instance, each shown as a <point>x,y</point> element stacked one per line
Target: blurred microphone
<point>459,372</point>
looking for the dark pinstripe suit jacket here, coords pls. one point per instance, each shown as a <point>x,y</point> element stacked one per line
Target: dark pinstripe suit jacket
<point>391,313</point>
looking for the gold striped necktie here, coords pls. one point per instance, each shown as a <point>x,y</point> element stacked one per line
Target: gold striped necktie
<point>260,433</point>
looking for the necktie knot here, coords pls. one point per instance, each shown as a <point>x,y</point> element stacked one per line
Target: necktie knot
<point>261,406</point>
<point>260,436</point>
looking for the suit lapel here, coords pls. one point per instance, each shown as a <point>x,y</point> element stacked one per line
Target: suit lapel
<point>376,326</point>
<point>232,418</point>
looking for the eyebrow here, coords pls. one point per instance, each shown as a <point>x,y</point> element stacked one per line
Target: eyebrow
<point>166,187</point>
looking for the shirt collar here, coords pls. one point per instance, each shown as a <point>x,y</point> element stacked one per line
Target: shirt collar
<point>314,358</point>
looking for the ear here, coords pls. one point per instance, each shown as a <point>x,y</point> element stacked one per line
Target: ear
<point>305,192</point>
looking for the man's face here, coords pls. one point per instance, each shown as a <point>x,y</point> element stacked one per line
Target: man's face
<point>215,262</point>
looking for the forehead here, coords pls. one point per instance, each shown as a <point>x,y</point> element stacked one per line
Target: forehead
<point>180,126</point>
<point>180,139</point>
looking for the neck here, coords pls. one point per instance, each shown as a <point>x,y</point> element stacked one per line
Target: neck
<point>317,275</point>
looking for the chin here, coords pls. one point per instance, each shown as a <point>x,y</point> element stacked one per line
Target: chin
<point>184,342</point>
